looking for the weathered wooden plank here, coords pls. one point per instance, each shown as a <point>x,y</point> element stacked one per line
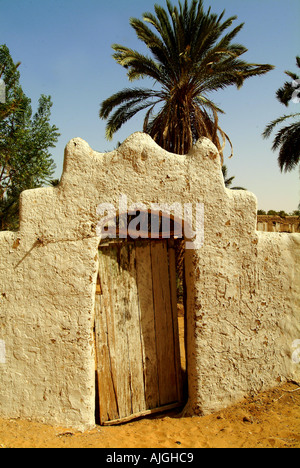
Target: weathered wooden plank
<point>147,324</point>
<point>143,413</point>
<point>163,324</point>
<point>173,292</point>
<point>119,291</point>
<point>133,329</point>
<point>104,349</point>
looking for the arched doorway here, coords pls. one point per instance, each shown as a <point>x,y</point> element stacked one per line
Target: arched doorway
<point>137,338</point>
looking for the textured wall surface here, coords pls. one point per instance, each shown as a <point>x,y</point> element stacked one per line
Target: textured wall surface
<point>243,286</point>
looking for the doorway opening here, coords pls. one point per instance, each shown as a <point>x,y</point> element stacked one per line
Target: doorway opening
<point>140,326</point>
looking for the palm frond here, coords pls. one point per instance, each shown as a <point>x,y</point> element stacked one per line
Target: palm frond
<point>270,127</point>
<point>288,140</point>
<point>123,114</point>
<point>138,65</point>
<point>126,95</point>
<point>151,40</point>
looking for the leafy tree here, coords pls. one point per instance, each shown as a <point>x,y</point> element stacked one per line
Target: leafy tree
<point>25,139</point>
<point>281,213</point>
<point>9,68</point>
<point>287,140</point>
<point>192,55</point>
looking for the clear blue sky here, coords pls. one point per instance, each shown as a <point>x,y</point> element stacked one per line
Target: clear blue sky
<point>65,50</point>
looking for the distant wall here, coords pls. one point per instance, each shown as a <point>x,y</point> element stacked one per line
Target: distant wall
<point>243,286</point>
<point>267,223</point>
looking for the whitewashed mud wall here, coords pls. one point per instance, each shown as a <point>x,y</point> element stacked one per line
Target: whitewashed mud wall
<point>243,286</point>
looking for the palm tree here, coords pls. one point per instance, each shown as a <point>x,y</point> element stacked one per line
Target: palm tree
<point>192,55</point>
<point>229,180</point>
<point>287,139</point>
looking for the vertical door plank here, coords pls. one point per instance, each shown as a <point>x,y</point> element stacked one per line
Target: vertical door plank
<point>147,324</point>
<point>104,347</point>
<point>132,317</point>
<point>173,290</point>
<point>163,323</point>
<point>120,299</point>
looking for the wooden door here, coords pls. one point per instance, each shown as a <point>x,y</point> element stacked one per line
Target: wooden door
<point>138,357</point>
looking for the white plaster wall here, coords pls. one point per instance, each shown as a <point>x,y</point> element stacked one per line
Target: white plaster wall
<point>243,286</point>
<point>244,321</point>
<point>46,322</point>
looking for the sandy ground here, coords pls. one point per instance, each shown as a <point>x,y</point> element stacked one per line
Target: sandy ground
<point>267,420</point>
